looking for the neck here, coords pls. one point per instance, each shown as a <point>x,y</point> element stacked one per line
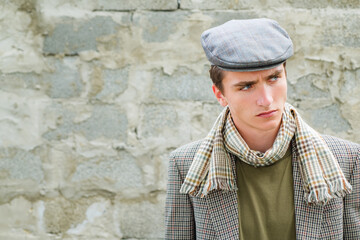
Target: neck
<point>260,140</point>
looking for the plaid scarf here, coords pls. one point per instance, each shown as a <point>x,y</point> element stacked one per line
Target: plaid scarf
<point>211,168</point>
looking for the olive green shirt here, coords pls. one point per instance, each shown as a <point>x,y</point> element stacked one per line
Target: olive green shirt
<point>266,200</point>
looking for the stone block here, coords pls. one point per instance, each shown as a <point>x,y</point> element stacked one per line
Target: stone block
<point>183,84</point>
<point>110,5</point>
<point>60,121</point>
<point>142,220</point>
<point>351,112</point>
<point>251,4</point>
<point>341,29</point>
<point>158,26</point>
<point>324,4</point>
<point>110,83</point>
<point>305,88</point>
<point>71,36</point>
<point>105,121</point>
<point>350,86</point>
<point>158,120</point>
<point>98,224</point>
<point>20,220</point>
<point>60,214</point>
<point>63,81</point>
<point>203,119</point>
<point>115,173</point>
<point>83,218</point>
<point>162,169</point>
<point>220,17</point>
<point>136,4</point>
<point>102,121</point>
<point>209,5</point>
<point>18,164</point>
<point>329,117</point>
<point>225,4</point>
<point>20,40</point>
<point>19,120</point>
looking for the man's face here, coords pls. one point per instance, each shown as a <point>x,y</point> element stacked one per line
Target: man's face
<point>256,99</point>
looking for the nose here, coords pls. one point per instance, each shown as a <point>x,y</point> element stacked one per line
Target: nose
<point>265,97</point>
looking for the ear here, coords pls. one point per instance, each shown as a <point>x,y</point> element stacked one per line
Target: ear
<point>219,96</point>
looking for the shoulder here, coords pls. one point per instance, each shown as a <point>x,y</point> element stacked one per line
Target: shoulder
<point>341,147</point>
<point>186,151</point>
<point>183,156</point>
<point>347,153</point>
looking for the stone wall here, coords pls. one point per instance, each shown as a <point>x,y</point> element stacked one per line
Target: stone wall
<point>96,93</point>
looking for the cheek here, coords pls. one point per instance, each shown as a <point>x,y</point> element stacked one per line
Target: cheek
<point>281,92</point>
<point>238,106</point>
<point>285,91</point>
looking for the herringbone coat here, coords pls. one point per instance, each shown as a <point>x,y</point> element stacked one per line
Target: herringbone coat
<point>216,216</point>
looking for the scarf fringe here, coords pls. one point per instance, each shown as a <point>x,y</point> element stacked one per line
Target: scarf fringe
<point>339,189</point>
<point>214,184</point>
<point>222,184</point>
<point>219,184</point>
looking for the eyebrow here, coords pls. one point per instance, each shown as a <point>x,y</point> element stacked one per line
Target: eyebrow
<point>274,74</point>
<point>245,83</point>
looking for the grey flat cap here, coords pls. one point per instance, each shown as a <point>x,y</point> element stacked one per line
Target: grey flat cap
<point>247,45</point>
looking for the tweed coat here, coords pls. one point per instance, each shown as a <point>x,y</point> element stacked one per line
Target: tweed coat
<point>216,215</point>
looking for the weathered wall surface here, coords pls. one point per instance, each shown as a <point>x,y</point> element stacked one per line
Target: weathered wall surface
<point>95,94</point>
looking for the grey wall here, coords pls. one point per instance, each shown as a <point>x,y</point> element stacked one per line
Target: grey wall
<point>95,94</point>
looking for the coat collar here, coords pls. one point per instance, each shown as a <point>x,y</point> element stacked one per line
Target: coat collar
<point>223,208</point>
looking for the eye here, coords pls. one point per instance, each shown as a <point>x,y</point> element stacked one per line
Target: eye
<point>246,87</point>
<point>274,78</point>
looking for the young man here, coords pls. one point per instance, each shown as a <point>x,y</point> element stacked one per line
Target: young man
<point>262,172</point>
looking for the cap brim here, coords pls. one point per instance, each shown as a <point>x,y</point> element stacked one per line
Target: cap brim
<point>251,69</point>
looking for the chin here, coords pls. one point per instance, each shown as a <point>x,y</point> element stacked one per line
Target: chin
<point>271,125</point>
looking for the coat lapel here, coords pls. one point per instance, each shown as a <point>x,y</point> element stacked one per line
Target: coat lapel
<point>223,208</point>
<point>308,218</point>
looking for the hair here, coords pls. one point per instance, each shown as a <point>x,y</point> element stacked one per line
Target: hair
<point>217,75</point>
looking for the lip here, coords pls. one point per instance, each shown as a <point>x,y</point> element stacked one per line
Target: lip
<point>267,114</point>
